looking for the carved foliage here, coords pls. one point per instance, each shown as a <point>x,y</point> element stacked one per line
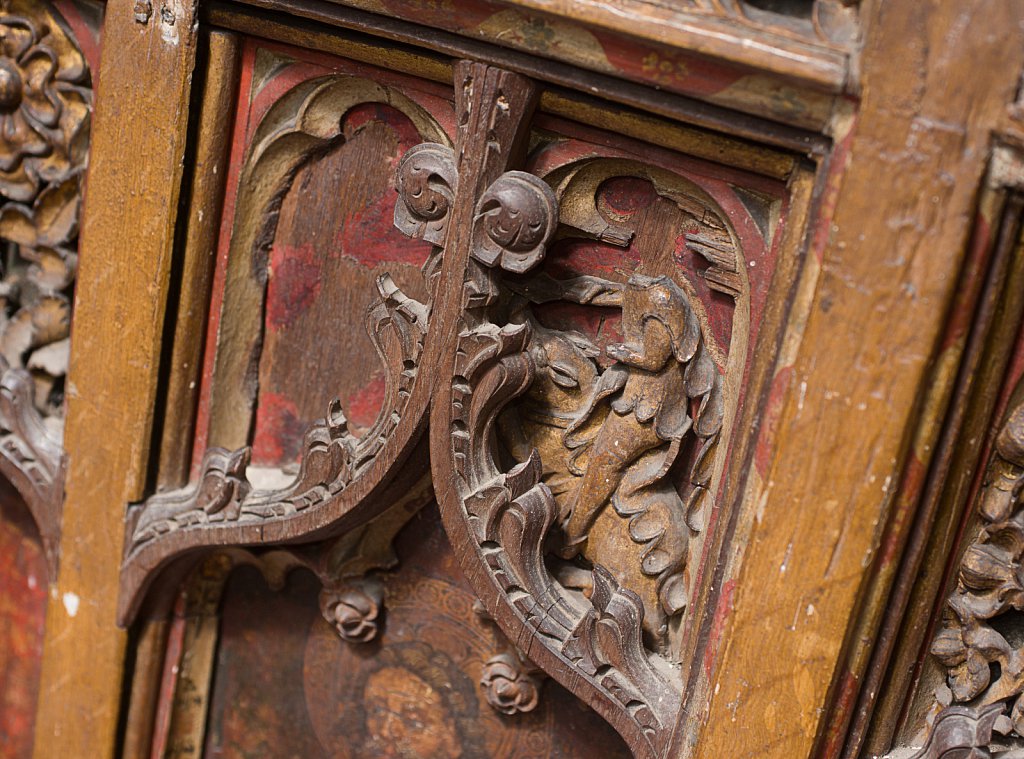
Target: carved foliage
<point>45,102</point>
<point>980,642</point>
<point>618,436</point>
<point>44,117</point>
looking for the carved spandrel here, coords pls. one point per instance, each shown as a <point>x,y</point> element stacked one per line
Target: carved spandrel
<point>340,464</point>
<point>626,430</point>
<point>586,435</point>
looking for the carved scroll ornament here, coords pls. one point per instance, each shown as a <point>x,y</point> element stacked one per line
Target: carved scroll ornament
<point>569,474</point>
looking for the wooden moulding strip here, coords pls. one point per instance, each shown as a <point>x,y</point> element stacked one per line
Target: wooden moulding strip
<point>407,42</point>
<point>701,143</point>
<point>815,62</point>
<point>209,170</point>
<point>718,57</point>
<point>890,266</point>
<point>795,280</point>
<point>127,236</point>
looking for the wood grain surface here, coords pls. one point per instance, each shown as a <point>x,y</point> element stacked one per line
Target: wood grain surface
<point>890,264</point>
<point>125,251</point>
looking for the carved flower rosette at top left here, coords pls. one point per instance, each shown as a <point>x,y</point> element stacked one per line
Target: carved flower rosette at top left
<point>45,104</point>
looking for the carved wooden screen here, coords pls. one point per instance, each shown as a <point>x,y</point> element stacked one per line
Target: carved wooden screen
<point>476,378</point>
<point>589,323</point>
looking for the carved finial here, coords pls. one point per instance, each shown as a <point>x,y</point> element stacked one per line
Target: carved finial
<point>509,686</point>
<point>354,609</point>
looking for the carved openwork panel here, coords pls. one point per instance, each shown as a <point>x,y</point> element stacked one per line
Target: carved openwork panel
<point>45,104</point>
<point>581,316</point>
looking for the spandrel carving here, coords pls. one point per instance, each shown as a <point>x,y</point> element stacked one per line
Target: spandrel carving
<point>255,495</point>
<point>626,430</point>
<point>573,467</point>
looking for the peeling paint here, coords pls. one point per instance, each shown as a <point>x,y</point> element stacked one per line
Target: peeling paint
<point>71,603</point>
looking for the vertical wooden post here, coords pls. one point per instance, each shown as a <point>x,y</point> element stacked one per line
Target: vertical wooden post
<point>209,166</point>
<point>871,352</point>
<point>131,208</point>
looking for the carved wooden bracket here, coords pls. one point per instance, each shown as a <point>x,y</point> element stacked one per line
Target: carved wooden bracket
<point>571,477</point>
<point>343,480</point>
<point>502,519</point>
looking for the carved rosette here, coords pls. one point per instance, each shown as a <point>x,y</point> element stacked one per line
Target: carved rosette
<point>354,610</point>
<point>426,188</point>
<point>509,685</point>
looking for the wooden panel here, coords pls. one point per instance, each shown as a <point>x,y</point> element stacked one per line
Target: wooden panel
<point>287,685</point>
<point>335,237</point>
<point>125,245</point>
<point>889,267</point>
<point>319,230</point>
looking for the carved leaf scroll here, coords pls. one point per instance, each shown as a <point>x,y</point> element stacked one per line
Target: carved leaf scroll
<point>980,643</point>
<point>654,393</point>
